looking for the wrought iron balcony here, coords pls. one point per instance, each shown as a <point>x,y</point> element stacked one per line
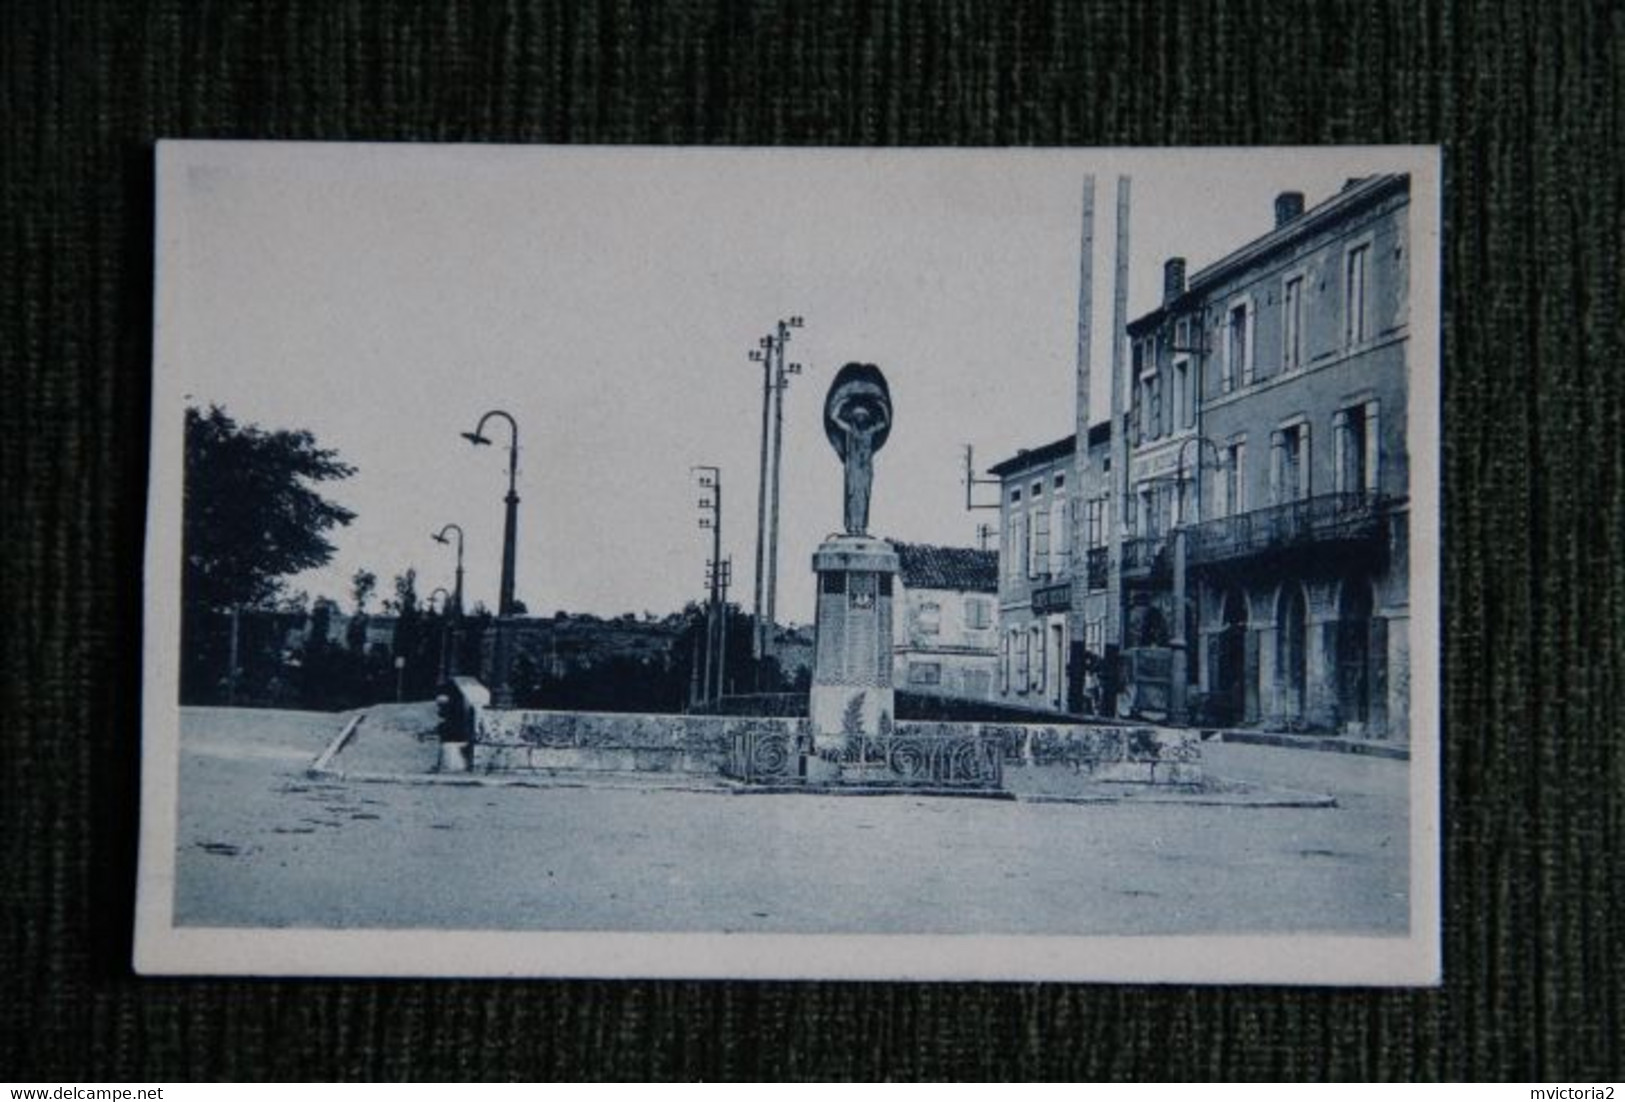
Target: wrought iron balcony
<point>1315,521</point>
<point>1056,597</point>
<point>1144,556</point>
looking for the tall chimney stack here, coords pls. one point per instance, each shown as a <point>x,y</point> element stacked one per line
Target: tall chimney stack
<point>1173,279</point>
<point>1288,205</point>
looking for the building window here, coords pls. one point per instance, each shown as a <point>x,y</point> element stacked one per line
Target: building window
<point>1023,656</point>
<point>1233,480</point>
<point>1354,296</point>
<point>1292,325</point>
<point>1060,537</point>
<point>1181,397</point>
<point>928,618</point>
<point>925,673</point>
<point>1290,466</point>
<point>1017,559</point>
<point>1095,527</point>
<point>1035,682</point>
<point>1039,542</point>
<point>1153,390</point>
<point>1356,448</point>
<point>1004,664</point>
<point>1238,346</point>
<point>978,614</point>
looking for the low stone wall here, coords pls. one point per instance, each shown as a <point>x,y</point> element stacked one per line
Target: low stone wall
<point>1146,755</point>
<point>532,741</point>
<point>521,741</point>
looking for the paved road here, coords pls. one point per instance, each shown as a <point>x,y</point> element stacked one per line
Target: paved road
<point>259,844</point>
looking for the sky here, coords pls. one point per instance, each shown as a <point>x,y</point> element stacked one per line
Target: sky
<point>384,297</point>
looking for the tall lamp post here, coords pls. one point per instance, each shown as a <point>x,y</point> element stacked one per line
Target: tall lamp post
<point>1179,674</point>
<point>502,694</point>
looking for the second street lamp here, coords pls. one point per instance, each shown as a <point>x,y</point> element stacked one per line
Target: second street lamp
<point>454,606</point>
<point>457,588</point>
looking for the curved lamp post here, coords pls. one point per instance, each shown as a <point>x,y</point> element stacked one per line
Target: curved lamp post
<point>456,595</point>
<point>511,522</point>
<point>502,693</point>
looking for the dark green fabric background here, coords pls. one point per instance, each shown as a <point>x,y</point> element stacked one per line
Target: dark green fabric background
<point>1527,100</point>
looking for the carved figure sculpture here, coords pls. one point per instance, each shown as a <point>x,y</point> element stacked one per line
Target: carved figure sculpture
<point>857,420</point>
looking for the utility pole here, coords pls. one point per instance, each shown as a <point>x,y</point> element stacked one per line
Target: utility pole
<point>1078,630</point>
<point>710,478</point>
<point>725,569</point>
<point>1116,615</point>
<point>971,482</point>
<point>758,643</point>
<point>781,373</point>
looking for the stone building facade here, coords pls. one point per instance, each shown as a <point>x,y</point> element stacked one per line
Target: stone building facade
<point>945,634</point>
<point>1052,574</point>
<point>1266,520</point>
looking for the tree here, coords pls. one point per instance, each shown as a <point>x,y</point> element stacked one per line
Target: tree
<point>251,517</point>
<point>362,585</point>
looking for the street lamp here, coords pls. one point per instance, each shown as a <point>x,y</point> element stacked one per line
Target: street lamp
<point>456,595</point>
<point>502,693</point>
<point>511,521</point>
<point>1179,674</point>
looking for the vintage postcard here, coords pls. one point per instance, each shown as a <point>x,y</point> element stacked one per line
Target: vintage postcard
<point>898,564</point>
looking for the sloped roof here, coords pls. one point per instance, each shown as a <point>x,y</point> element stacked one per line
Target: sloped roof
<point>927,566</point>
<point>1032,457</point>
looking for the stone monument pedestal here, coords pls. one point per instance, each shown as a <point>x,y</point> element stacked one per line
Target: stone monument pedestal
<point>852,690</point>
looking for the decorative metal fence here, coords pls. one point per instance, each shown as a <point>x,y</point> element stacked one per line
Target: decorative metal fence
<point>1144,555</point>
<point>1327,518</point>
<point>946,760</point>
<point>900,759</point>
<point>762,755</point>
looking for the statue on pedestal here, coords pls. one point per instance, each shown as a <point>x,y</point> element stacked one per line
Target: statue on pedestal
<point>852,694</point>
<point>857,420</point>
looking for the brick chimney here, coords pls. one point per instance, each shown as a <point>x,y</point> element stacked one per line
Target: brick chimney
<point>1288,205</point>
<point>1173,279</point>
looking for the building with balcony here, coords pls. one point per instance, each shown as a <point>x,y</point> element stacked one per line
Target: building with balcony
<point>945,639</point>
<point>1052,573</point>
<point>1264,563</point>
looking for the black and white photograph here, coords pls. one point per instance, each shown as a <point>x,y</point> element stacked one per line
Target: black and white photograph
<point>917,564</point>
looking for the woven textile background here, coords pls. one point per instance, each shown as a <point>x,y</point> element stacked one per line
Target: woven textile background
<point>1526,98</point>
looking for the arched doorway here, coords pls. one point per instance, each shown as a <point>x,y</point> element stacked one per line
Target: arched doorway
<point>1354,651</point>
<point>1230,682</point>
<point>1291,656</point>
